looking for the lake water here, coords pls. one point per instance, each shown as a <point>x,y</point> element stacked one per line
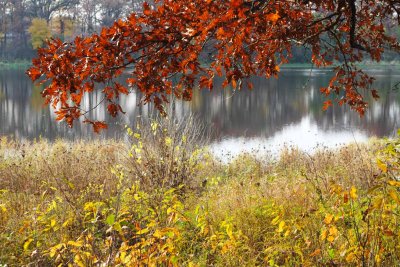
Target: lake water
<point>276,112</point>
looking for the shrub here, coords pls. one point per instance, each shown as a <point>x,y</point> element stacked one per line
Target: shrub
<point>167,152</point>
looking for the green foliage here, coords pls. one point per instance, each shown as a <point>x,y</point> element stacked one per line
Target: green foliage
<point>40,31</point>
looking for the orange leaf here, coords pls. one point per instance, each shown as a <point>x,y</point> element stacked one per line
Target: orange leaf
<point>327,104</point>
<point>234,84</point>
<point>315,253</point>
<point>34,73</point>
<point>98,126</point>
<point>273,17</point>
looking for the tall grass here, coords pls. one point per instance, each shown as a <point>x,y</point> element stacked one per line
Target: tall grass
<point>160,200</point>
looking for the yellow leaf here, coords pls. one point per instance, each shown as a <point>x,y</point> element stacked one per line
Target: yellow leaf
<point>377,203</point>
<point>350,257</point>
<point>67,222</point>
<point>168,141</point>
<point>353,193</point>
<point>158,234</point>
<point>275,220</point>
<point>78,261</point>
<point>229,232</point>
<point>143,231</point>
<point>333,231</point>
<point>52,252</point>
<point>154,126</point>
<point>27,243</point>
<point>381,166</point>
<point>74,244</point>
<point>394,183</point>
<point>393,194</point>
<point>324,234</point>
<point>378,258</point>
<point>331,238</point>
<point>224,249</point>
<point>3,208</point>
<point>286,233</point>
<point>281,226</point>
<point>328,218</point>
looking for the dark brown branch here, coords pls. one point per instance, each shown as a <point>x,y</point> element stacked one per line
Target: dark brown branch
<point>353,25</point>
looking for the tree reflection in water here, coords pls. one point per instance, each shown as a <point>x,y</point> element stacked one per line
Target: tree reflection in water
<point>271,108</point>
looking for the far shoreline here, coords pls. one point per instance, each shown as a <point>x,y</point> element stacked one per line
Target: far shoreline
<point>369,66</point>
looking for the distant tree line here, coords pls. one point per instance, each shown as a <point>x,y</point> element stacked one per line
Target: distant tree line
<point>25,24</point>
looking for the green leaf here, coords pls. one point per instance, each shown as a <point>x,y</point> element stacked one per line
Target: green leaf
<point>110,219</point>
<point>174,259</point>
<point>331,253</point>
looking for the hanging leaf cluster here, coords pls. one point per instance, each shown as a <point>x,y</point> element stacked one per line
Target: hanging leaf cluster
<point>239,38</point>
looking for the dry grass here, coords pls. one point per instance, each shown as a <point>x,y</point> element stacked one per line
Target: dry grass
<point>319,209</point>
<point>32,167</point>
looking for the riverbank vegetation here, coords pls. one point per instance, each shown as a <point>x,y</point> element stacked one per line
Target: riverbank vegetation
<point>14,64</point>
<point>160,200</point>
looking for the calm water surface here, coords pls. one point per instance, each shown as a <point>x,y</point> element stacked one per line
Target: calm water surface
<point>280,111</point>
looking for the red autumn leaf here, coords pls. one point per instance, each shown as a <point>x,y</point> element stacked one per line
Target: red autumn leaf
<point>113,109</point>
<point>374,94</point>
<point>240,39</point>
<point>250,85</point>
<point>146,9</point>
<point>121,89</point>
<point>34,73</point>
<point>327,104</point>
<point>76,97</point>
<point>98,126</point>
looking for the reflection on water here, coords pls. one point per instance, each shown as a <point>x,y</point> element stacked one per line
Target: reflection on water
<point>304,135</point>
<point>276,111</point>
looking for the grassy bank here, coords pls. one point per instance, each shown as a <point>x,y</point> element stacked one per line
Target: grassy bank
<point>368,66</point>
<point>162,201</point>
<point>15,64</point>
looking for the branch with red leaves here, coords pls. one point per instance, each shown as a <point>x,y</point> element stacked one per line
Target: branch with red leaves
<point>246,38</point>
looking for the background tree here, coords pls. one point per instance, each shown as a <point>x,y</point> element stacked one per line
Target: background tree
<point>39,31</point>
<point>111,10</point>
<point>62,27</point>
<point>4,25</point>
<point>45,9</point>
<point>244,38</point>
<point>16,17</point>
